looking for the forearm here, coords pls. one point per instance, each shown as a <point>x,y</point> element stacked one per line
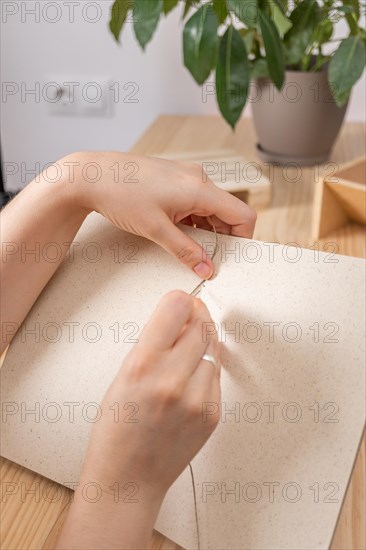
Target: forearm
<point>37,228</point>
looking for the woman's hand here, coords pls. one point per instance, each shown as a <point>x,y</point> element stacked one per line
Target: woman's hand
<point>166,379</point>
<point>149,196</point>
<point>145,196</point>
<point>168,383</point>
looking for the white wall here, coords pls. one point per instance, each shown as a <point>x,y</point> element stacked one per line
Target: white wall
<point>31,51</point>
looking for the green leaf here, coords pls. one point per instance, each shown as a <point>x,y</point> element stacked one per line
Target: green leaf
<point>346,67</point>
<point>345,9</point>
<point>305,18</point>
<point>200,43</point>
<point>248,37</point>
<point>146,18</point>
<point>274,49</point>
<point>282,5</point>
<point>352,23</point>
<point>282,23</point>
<point>220,10</point>
<point>259,69</point>
<point>119,13</point>
<point>245,10</point>
<point>169,5</point>
<point>320,61</point>
<point>323,32</point>
<point>354,6</point>
<point>232,76</point>
<point>187,7</point>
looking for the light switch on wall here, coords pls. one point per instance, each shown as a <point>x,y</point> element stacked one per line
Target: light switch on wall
<point>73,95</point>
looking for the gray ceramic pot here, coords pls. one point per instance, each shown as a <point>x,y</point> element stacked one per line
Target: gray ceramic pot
<point>298,124</point>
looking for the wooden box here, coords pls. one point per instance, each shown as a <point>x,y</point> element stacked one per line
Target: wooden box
<point>340,199</point>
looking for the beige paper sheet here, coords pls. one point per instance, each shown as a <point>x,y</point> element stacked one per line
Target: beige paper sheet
<point>275,471</point>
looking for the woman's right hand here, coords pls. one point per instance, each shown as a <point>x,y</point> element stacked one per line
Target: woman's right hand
<point>168,383</point>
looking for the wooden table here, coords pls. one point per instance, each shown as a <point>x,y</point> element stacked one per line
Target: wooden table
<point>28,519</point>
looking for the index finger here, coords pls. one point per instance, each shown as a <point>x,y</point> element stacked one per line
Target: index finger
<point>166,323</point>
<point>191,345</point>
<point>231,210</point>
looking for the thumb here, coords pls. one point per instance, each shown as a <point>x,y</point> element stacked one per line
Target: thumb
<point>185,249</point>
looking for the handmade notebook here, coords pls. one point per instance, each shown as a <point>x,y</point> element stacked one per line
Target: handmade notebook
<point>275,472</point>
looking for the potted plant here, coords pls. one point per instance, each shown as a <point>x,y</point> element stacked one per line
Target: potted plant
<point>279,55</point>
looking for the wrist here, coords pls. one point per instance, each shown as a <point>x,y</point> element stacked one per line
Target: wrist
<point>58,186</point>
<point>90,176</point>
<point>109,517</point>
<point>75,190</point>
<point>121,485</point>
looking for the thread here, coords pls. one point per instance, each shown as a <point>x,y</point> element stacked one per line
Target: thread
<point>195,507</point>
<point>200,285</point>
<point>194,292</point>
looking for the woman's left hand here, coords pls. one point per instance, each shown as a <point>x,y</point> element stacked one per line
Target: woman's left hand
<point>142,195</point>
<point>149,196</point>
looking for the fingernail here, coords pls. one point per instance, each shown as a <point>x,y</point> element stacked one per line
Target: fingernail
<point>203,270</point>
